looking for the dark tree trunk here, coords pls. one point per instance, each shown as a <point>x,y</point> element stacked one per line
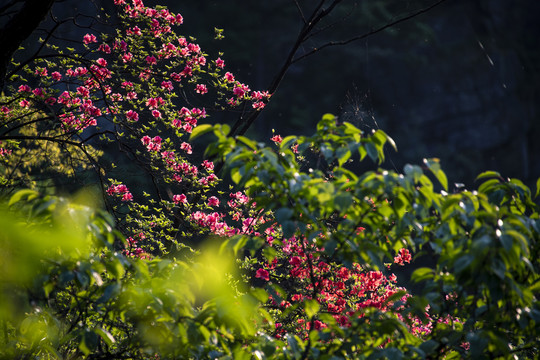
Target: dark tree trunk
<point>18,28</point>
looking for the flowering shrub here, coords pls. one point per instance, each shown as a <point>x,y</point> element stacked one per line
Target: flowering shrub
<point>121,92</point>
<point>315,240</point>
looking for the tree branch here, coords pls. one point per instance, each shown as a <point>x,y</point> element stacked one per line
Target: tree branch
<point>18,29</point>
<point>372,32</point>
<point>242,124</point>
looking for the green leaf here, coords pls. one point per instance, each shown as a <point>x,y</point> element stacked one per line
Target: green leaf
<point>250,143</point>
<point>343,201</point>
<point>105,335</point>
<point>463,262</point>
<point>537,188</point>
<point>343,154</point>
<point>328,117</point>
<point>488,174</point>
<point>200,130</point>
<point>372,151</point>
<point>283,214</point>
<point>88,342</point>
<point>435,167</point>
<point>312,307</point>
<point>289,228</point>
<point>19,195</point>
<point>260,295</point>
<point>422,274</point>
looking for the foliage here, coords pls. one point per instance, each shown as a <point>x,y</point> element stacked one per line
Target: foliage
<point>315,242</point>
<point>66,292</point>
<point>480,299</point>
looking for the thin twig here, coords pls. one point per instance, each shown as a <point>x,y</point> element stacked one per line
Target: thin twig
<point>372,32</point>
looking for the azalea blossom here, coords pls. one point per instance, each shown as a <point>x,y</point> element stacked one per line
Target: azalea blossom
<point>213,201</point>
<point>132,115</point>
<point>262,274</point>
<point>89,38</point>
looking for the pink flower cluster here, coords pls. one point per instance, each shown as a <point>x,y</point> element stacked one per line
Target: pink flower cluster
<point>152,144</point>
<point>343,292</point>
<point>213,222</point>
<point>120,190</point>
<point>403,257</point>
<point>187,119</point>
<point>180,199</point>
<point>133,248</point>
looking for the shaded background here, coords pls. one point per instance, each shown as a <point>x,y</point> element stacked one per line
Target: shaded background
<point>460,82</point>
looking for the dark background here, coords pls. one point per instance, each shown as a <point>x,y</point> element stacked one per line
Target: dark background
<point>460,82</point>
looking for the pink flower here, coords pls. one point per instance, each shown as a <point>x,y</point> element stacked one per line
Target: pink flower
<point>194,48</point>
<point>229,77</point>
<point>25,88</point>
<point>180,199</point>
<point>295,261</point>
<point>238,91</point>
<point>102,62</point>
<point>56,76</point>
<point>258,105</point>
<point>277,139</point>
<point>152,103</point>
<point>188,71</point>
<point>403,257</point>
<point>201,89</point>
<point>213,201</point>
<point>132,115</point>
<point>127,57</point>
<point>104,48</point>
<point>186,147</point>
<point>135,31</point>
<point>83,91</point>
<point>38,92</point>
<point>220,63</point>
<point>145,140</point>
<point>156,114</point>
<point>89,38</point>
<point>262,274</point>
<point>176,123</point>
<point>24,103</point>
<point>208,165</point>
<point>41,71</point>
<point>167,85</point>
<point>151,60</point>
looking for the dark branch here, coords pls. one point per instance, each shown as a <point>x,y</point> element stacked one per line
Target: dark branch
<point>372,32</point>
<point>18,29</point>
<point>243,124</point>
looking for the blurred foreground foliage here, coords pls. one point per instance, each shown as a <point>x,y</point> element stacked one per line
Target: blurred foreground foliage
<point>67,290</point>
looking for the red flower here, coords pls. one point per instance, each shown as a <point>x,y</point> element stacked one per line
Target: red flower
<point>262,274</point>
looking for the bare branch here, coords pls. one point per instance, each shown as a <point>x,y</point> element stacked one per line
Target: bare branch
<point>8,5</point>
<point>300,11</point>
<point>372,32</point>
<point>19,28</point>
